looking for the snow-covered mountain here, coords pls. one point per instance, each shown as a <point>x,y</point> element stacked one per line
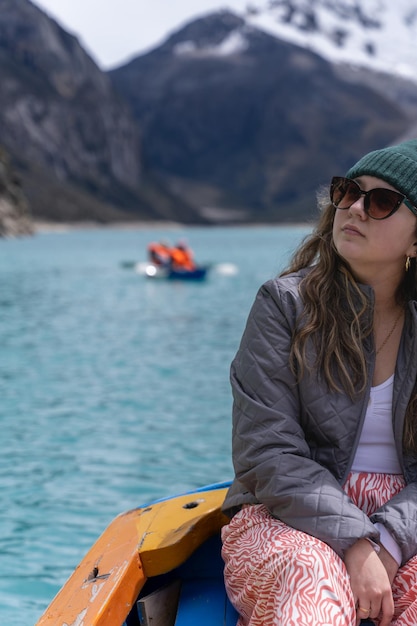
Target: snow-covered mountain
<point>245,126</point>
<point>377,34</point>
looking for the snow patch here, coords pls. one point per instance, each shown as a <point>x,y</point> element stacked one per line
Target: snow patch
<point>378,34</point>
<point>234,43</point>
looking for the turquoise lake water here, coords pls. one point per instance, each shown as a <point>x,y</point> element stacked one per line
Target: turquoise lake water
<point>114,388</point>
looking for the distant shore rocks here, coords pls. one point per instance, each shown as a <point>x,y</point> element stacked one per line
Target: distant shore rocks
<point>15,218</point>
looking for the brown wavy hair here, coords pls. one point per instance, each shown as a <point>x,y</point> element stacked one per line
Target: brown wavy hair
<point>336,315</point>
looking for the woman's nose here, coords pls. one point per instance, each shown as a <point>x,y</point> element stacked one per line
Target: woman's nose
<point>358,208</point>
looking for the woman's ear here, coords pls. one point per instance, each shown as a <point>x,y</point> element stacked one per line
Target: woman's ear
<point>413,250</point>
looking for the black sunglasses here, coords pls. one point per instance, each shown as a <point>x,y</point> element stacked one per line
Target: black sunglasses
<point>378,203</point>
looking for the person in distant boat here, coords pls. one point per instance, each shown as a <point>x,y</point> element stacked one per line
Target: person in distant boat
<point>182,257</point>
<point>323,507</point>
<point>159,253</point>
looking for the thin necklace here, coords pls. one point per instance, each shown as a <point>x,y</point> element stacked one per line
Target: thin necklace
<point>390,333</point>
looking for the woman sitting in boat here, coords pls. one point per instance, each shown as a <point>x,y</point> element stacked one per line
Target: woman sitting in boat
<point>323,508</point>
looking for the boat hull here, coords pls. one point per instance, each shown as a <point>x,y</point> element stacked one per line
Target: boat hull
<point>159,272</point>
<point>141,550</point>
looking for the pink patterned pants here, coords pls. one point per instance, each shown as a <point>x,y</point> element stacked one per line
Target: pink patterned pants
<point>278,576</point>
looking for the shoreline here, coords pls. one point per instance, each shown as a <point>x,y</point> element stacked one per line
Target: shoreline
<point>45,226</point>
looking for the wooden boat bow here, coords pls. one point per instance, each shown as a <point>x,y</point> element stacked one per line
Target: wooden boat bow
<point>138,544</point>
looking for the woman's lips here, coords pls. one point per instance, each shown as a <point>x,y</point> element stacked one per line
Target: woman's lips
<point>349,229</point>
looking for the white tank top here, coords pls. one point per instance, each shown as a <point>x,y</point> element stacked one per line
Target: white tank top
<point>376,450</point>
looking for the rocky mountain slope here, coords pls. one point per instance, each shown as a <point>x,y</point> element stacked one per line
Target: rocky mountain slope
<point>246,126</point>
<point>72,140</point>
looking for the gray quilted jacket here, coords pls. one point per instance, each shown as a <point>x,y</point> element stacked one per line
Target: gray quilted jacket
<point>293,444</point>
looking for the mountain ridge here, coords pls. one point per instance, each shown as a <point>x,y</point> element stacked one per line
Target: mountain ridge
<point>236,115</point>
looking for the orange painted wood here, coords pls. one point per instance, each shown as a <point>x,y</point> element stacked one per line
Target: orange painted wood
<point>102,589</point>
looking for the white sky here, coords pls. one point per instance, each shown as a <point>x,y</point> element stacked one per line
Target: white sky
<point>112,31</point>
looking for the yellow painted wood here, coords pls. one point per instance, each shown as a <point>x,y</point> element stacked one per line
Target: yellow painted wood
<point>170,531</point>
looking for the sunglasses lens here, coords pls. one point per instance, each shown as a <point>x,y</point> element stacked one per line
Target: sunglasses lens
<point>379,203</point>
<point>344,192</point>
<point>382,203</point>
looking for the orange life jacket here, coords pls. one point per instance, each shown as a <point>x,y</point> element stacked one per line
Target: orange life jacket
<point>182,258</point>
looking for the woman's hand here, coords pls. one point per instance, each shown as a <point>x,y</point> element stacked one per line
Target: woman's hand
<point>370,582</point>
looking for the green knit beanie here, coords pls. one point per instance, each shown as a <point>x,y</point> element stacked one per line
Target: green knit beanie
<point>397,165</point>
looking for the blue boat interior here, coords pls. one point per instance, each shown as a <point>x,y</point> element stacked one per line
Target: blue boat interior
<point>202,597</point>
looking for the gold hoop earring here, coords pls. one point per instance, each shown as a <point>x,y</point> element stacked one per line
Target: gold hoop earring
<point>407,264</point>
